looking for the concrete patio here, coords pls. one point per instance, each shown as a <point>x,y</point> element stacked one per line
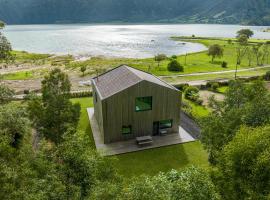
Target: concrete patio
<point>130,145</point>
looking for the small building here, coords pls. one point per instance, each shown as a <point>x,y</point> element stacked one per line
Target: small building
<point>130,103</point>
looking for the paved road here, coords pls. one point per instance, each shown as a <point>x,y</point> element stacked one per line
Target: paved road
<point>190,125</point>
<point>216,72</point>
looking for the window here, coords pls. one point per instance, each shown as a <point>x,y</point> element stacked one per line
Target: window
<point>126,130</point>
<point>143,104</point>
<point>165,124</point>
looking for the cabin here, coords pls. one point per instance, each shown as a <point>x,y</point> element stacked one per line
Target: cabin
<point>129,103</point>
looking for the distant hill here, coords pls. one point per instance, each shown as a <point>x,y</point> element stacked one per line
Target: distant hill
<point>252,12</point>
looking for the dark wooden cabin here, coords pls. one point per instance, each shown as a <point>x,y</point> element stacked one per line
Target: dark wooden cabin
<point>129,103</point>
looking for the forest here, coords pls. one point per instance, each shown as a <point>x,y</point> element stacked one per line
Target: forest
<point>253,12</point>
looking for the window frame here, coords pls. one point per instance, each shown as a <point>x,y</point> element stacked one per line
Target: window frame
<point>165,127</point>
<point>151,107</point>
<point>126,127</point>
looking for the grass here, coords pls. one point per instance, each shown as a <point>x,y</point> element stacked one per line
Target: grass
<point>222,89</point>
<point>196,62</point>
<point>151,161</point>
<point>18,76</point>
<point>197,111</point>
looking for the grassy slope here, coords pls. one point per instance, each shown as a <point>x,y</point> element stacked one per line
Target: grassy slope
<point>149,161</point>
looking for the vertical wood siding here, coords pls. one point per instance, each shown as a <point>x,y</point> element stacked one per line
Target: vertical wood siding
<point>119,110</point>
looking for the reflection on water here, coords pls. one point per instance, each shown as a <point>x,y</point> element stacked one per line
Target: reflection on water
<point>131,41</point>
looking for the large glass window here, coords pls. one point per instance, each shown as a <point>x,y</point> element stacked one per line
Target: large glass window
<point>126,130</point>
<point>143,104</point>
<point>165,124</point>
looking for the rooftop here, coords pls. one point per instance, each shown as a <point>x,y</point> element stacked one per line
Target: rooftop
<point>123,77</point>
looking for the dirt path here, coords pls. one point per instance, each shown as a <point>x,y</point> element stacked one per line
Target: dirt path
<point>205,95</point>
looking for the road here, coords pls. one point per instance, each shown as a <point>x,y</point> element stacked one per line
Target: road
<point>190,125</point>
<point>215,72</point>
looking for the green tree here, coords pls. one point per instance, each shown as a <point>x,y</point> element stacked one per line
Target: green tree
<point>247,32</point>
<point>189,184</point>
<point>159,58</point>
<point>242,39</point>
<point>175,66</point>
<point>6,94</point>
<point>53,114</point>
<point>243,105</point>
<point>82,168</point>
<point>257,52</point>
<point>5,49</point>
<point>2,25</point>
<point>83,69</point>
<point>192,184</point>
<point>216,51</point>
<point>243,170</point>
<point>14,123</point>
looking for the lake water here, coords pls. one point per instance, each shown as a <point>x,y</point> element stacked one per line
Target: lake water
<point>130,41</point>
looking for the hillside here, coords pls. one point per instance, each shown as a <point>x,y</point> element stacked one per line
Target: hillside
<point>254,12</point>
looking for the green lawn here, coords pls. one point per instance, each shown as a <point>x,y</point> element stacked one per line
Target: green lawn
<point>149,161</point>
<point>197,111</point>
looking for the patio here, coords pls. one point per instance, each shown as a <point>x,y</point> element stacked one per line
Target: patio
<point>130,145</point>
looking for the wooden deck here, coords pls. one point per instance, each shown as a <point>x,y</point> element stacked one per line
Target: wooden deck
<point>130,145</point>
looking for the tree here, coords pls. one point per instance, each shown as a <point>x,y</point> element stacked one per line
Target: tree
<point>241,50</point>
<point>159,58</point>
<point>243,105</point>
<point>175,66</point>
<point>191,184</point>
<point>5,49</point>
<point>257,52</point>
<point>82,168</point>
<point>14,123</point>
<point>215,50</point>
<point>53,114</point>
<point>247,32</point>
<point>2,25</point>
<point>6,94</point>
<point>242,40</point>
<point>83,69</point>
<point>243,170</point>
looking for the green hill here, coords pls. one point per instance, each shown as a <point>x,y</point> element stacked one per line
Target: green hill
<point>254,12</point>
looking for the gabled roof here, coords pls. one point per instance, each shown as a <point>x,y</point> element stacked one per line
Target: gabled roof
<point>123,77</point>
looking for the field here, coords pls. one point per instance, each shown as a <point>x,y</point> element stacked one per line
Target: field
<point>150,161</point>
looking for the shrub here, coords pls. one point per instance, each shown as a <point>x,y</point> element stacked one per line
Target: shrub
<point>174,57</point>
<point>192,93</point>
<point>182,87</point>
<point>175,66</point>
<point>81,94</point>
<point>267,76</point>
<point>26,91</point>
<point>224,64</point>
<point>214,87</point>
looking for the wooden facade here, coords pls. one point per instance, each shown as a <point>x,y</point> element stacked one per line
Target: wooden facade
<point>118,110</point>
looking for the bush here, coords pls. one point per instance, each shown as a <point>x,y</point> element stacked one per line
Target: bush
<point>214,87</point>
<point>175,66</point>
<point>174,57</point>
<point>182,87</point>
<point>81,94</point>
<point>192,93</point>
<point>267,76</point>
<point>224,64</point>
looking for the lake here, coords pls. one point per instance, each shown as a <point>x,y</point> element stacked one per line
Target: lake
<point>129,41</point>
